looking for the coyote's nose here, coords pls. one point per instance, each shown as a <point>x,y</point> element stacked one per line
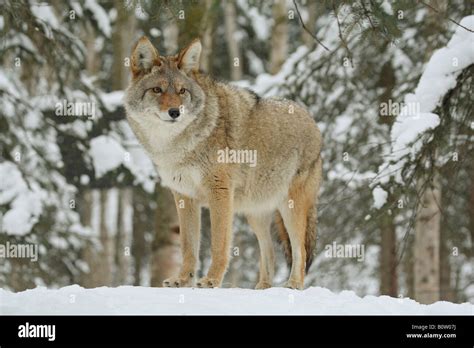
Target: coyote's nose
<point>173,112</point>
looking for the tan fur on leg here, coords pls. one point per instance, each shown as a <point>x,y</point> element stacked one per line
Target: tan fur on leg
<point>221,209</point>
<point>294,212</point>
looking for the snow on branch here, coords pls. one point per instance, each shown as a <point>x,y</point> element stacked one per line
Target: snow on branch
<point>411,130</point>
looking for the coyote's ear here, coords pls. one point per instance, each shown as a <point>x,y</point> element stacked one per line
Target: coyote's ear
<point>188,58</point>
<point>144,56</point>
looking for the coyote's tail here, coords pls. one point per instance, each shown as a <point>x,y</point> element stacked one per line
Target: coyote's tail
<point>310,236</point>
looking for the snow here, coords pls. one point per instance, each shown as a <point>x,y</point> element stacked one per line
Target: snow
<point>112,100</point>
<point>408,129</point>
<point>44,12</point>
<point>255,63</point>
<point>380,197</point>
<point>107,154</point>
<point>25,205</point>
<point>8,85</point>
<point>416,116</point>
<point>76,7</point>
<point>342,127</point>
<point>387,7</point>
<point>261,24</point>
<point>438,78</point>
<point>145,301</point>
<point>20,40</point>
<point>155,32</point>
<point>267,84</point>
<point>444,66</point>
<point>351,178</point>
<point>103,21</point>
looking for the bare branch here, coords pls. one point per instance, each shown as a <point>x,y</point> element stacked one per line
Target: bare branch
<point>306,28</point>
<point>343,41</point>
<point>449,19</point>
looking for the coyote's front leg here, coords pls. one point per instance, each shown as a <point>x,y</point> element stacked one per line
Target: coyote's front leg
<point>189,214</point>
<point>221,210</point>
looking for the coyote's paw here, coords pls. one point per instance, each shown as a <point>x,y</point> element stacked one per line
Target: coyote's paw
<point>178,282</point>
<point>262,285</point>
<point>208,283</point>
<point>294,284</point>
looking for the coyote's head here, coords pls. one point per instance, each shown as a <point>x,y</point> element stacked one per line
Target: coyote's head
<point>163,91</point>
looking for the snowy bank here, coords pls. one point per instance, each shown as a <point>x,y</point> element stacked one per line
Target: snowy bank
<point>143,300</point>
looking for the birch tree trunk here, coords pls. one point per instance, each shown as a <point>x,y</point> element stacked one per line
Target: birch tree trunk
<point>446,288</point>
<point>139,245</point>
<point>279,39</point>
<point>85,212</point>
<point>235,55</point>
<point>426,246</point>
<point>122,39</point>
<point>106,237</point>
<point>124,236</point>
<point>409,268</point>
<point>206,41</point>
<point>91,215</point>
<point>471,210</point>
<point>310,24</point>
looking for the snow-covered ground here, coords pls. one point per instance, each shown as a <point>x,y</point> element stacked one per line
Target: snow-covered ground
<point>143,300</point>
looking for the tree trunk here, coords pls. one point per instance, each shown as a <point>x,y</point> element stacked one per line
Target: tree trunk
<point>388,262</point>
<point>106,254</point>
<point>408,268</point>
<point>122,40</point>
<point>207,37</point>
<point>235,56</point>
<point>84,205</point>
<point>171,35</point>
<point>234,274</point>
<point>100,251</point>
<point>388,245</point>
<point>279,40</point>
<point>310,24</point>
<point>124,236</point>
<point>165,254</point>
<point>426,246</point>
<point>92,63</point>
<point>139,246</point>
<point>446,289</point>
<point>471,212</point>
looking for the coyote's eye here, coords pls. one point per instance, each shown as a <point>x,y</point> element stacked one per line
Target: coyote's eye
<point>182,91</point>
<point>157,90</point>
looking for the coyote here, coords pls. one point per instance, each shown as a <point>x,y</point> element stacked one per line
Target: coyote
<point>186,121</point>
